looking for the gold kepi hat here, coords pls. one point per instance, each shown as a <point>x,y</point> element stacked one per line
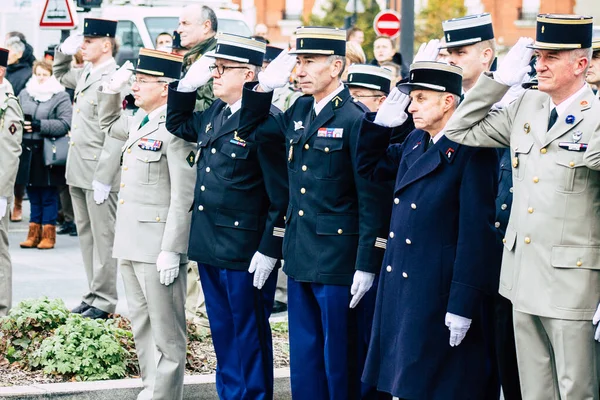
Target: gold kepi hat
<point>159,63</point>
<point>369,77</point>
<point>563,32</point>
<point>320,40</point>
<point>239,48</point>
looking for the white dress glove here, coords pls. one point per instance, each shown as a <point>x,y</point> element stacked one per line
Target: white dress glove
<point>120,78</point>
<point>361,283</point>
<point>198,75</point>
<point>3,206</point>
<point>101,191</point>
<point>428,51</point>
<point>167,264</point>
<point>515,65</point>
<point>595,321</point>
<point>261,266</point>
<point>458,327</point>
<point>392,112</point>
<point>72,44</point>
<point>277,74</point>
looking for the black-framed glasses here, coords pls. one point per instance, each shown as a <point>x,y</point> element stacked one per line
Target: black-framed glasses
<point>142,81</point>
<point>360,96</point>
<point>222,68</point>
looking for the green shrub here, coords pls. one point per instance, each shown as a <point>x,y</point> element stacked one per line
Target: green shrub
<point>84,349</point>
<point>27,325</point>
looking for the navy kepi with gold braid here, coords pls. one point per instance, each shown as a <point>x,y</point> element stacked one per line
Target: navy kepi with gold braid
<point>3,57</point>
<point>468,30</point>
<point>436,76</point>
<point>96,27</point>
<point>239,48</point>
<point>369,77</point>
<point>563,32</point>
<point>271,53</point>
<point>159,63</point>
<point>320,40</point>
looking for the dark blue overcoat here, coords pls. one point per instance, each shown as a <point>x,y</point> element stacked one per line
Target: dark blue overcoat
<point>437,260</point>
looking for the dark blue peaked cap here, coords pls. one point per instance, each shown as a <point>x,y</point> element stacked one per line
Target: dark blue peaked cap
<point>563,32</point>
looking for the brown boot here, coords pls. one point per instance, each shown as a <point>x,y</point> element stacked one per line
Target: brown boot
<point>48,237</point>
<point>17,212</point>
<point>33,237</point>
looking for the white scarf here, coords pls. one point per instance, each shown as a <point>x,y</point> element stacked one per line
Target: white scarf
<point>45,91</point>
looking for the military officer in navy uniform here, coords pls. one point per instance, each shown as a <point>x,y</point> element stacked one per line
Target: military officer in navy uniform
<point>335,230</point>
<point>428,335</point>
<point>238,215</point>
<point>153,219</point>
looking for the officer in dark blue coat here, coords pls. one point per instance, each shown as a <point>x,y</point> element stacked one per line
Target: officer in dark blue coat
<point>333,244</point>
<point>428,336</point>
<point>239,205</point>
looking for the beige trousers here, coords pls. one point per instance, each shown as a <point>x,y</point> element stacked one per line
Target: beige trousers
<point>5,266</point>
<point>158,322</point>
<point>558,359</point>
<point>96,231</point>
<point>195,308</point>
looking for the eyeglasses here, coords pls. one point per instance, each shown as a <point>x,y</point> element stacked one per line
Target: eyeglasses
<point>222,68</point>
<point>143,81</point>
<point>360,96</point>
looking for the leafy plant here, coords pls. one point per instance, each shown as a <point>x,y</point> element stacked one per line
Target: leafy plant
<point>428,24</point>
<point>84,349</point>
<point>27,325</point>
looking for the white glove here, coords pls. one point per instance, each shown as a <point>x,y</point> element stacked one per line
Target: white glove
<point>120,78</point>
<point>261,266</point>
<point>392,112</point>
<point>594,321</point>
<point>458,327</point>
<point>277,74</point>
<point>428,51</point>
<point>515,65</point>
<point>361,283</point>
<point>101,191</point>
<point>3,206</point>
<point>198,75</point>
<point>72,44</point>
<point>167,264</point>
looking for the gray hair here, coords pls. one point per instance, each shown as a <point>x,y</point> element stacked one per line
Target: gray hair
<point>208,14</point>
<point>585,53</point>
<point>334,58</point>
<point>456,100</point>
<point>15,44</point>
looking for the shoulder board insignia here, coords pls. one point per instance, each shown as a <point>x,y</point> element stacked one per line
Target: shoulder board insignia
<point>12,129</point>
<point>190,159</point>
<point>337,100</point>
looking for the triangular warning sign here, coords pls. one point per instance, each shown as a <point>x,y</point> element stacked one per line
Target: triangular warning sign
<point>58,14</point>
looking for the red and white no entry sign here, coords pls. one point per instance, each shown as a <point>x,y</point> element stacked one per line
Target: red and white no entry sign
<point>387,23</point>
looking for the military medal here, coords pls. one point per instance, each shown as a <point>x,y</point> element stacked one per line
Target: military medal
<point>570,119</point>
<point>150,144</point>
<point>577,136</point>
<point>573,146</point>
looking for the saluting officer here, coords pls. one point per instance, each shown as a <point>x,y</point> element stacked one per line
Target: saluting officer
<point>238,214</point>
<point>550,261</point>
<point>369,84</point>
<point>593,74</point>
<point>93,162</point>
<point>436,270</point>
<point>153,219</point>
<point>11,135</point>
<point>331,247</point>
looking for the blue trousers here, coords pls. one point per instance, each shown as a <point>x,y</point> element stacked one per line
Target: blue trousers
<point>238,314</point>
<point>44,204</point>
<point>328,341</point>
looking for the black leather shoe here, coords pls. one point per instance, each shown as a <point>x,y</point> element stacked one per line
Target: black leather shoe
<point>66,228</point>
<point>95,313</point>
<point>74,231</point>
<point>81,308</point>
<point>278,307</point>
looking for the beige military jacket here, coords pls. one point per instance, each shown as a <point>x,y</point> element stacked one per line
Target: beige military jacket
<point>551,260</point>
<point>92,154</point>
<point>157,187</point>
<point>11,135</point>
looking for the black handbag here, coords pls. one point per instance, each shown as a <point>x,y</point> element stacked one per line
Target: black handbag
<point>56,150</point>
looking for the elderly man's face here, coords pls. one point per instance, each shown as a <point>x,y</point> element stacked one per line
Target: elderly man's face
<point>555,70</point>
<point>315,73</point>
<point>148,91</point>
<point>191,27</point>
<point>427,108</point>
<point>593,74</point>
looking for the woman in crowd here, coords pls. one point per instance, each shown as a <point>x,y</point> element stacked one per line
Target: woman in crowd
<point>47,109</point>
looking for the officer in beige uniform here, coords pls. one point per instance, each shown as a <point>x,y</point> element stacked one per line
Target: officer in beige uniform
<point>11,135</point>
<point>93,162</point>
<point>550,267</point>
<point>153,219</point>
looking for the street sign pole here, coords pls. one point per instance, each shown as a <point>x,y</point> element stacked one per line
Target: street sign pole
<point>407,38</point>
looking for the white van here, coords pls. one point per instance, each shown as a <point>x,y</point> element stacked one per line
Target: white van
<point>139,26</point>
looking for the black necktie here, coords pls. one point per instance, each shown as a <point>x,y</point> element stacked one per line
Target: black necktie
<point>429,144</point>
<point>553,118</point>
<point>225,114</point>
<point>313,114</point>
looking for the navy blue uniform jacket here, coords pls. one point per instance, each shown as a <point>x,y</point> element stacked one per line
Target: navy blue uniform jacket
<point>241,191</point>
<point>441,235</point>
<point>333,219</point>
